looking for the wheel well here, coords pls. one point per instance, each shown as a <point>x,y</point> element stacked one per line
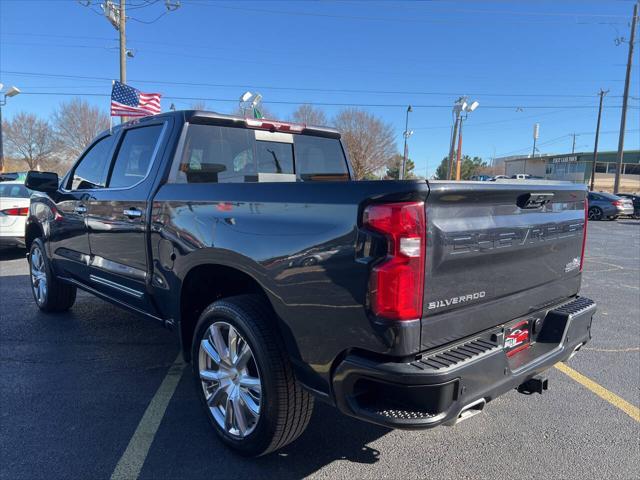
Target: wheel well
<point>204,285</point>
<point>32,232</point>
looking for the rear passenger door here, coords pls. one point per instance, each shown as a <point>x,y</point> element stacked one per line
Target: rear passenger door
<point>117,216</point>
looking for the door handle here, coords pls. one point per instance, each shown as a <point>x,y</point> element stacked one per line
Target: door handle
<point>132,212</point>
<point>80,209</point>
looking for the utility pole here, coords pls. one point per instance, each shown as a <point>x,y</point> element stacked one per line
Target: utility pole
<point>406,134</point>
<point>122,24</point>
<point>457,109</point>
<point>625,98</point>
<point>595,147</point>
<point>536,134</point>
<point>573,147</point>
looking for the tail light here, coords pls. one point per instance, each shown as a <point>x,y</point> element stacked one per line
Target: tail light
<point>617,203</point>
<point>16,212</point>
<point>273,126</point>
<point>396,286</point>
<point>584,231</point>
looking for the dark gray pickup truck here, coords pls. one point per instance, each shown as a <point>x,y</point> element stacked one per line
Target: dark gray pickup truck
<point>409,304</point>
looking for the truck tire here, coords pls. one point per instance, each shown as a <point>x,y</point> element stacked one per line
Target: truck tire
<point>50,294</point>
<point>245,379</point>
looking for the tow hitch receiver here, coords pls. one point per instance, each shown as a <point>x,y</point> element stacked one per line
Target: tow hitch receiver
<point>537,384</point>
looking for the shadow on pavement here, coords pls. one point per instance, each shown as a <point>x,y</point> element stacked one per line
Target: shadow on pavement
<point>12,253</point>
<point>187,447</point>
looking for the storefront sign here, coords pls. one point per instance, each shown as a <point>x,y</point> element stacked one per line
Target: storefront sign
<point>567,159</point>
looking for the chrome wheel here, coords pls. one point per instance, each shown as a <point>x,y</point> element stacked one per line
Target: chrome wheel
<point>230,379</point>
<point>38,276</point>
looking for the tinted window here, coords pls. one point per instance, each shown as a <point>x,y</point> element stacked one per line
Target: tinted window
<point>217,154</point>
<point>274,157</point>
<point>91,172</point>
<point>320,159</point>
<point>14,191</point>
<point>134,156</point>
<point>214,154</point>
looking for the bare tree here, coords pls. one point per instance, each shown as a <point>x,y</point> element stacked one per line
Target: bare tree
<point>309,115</point>
<point>76,124</point>
<point>369,140</point>
<point>30,140</point>
<point>199,105</point>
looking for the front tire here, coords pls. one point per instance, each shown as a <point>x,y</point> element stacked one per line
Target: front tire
<point>50,294</point>
<point>245,379</point>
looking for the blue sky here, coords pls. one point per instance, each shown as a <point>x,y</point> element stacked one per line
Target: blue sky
<point>510,56</point>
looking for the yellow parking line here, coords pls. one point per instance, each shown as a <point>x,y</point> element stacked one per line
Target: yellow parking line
<point>132,460</point>
<point>612,398</point>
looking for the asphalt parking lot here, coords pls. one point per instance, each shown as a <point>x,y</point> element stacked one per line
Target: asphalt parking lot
<point>74,388</point>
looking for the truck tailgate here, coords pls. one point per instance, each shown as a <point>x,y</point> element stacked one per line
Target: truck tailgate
<point>497,251</point>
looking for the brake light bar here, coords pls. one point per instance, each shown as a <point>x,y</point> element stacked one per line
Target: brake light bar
<point>16,212</point>
<point>273,126</point>
<point>396,285</point>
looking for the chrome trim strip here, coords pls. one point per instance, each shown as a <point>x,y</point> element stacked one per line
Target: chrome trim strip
<point>117,286</point>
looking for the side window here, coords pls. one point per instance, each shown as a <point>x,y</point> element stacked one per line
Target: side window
<point>134,156</point>
<point>320,159</point>
<point>215,154</point>
<point>91,172</point>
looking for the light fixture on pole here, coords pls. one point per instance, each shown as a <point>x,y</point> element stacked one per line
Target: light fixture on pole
<point>407,133</point>
<point>465,108</point>
<point>11,92</point>
<point>250,101</point>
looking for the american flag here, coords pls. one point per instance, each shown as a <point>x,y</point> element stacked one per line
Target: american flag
<point>130,102</point>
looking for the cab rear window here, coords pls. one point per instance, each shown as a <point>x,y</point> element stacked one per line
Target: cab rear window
<point>217,154</point>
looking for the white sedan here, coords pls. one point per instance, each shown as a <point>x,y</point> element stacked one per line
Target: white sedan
<point>14,208</point>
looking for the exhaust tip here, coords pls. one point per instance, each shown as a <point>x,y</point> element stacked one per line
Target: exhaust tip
<point>471,410</point>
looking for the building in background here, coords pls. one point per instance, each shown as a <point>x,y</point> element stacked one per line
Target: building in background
<point>576,167</point>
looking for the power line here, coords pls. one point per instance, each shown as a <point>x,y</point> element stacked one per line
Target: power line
<point>560,138</point>
<point>310,89</point>
<point>332,104</point>
<point>366,18</point>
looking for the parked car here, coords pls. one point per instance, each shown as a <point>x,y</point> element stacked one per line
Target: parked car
<point>498,177</point>
<point>635,201</point>
<point>604,205</point>
<point>198,220</point>
<point>14,208</point>
<point>481,178</point>
<point>13,177</point>
<point>525,176</point>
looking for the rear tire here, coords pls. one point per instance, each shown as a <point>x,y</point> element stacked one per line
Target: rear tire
<point>50,294</point>
<point>595,214</point>
<point>284,408</point>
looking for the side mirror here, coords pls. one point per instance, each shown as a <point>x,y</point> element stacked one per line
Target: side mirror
<point>46,182</point>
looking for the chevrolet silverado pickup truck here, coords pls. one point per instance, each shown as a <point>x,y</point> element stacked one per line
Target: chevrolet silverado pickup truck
<point>409,304</point>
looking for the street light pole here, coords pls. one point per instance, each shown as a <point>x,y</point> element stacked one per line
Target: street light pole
<point>11,92</point>
<point>625,98</point>
<point>595,147</point>
<point>459,153</point>
<point>406,134</point>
